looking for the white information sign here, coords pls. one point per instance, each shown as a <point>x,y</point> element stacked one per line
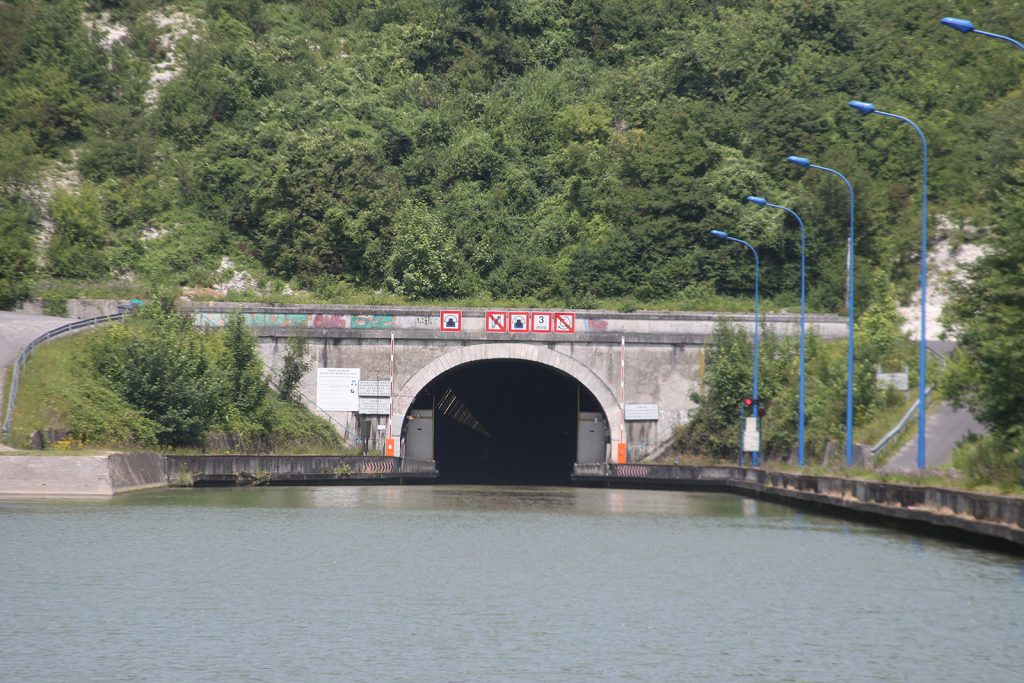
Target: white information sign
<point>897,380</point>
<point>751,435</point>
<point>337,388</point>
<point>374,387</point>
<point>641,412</point>
<point>374,406</point>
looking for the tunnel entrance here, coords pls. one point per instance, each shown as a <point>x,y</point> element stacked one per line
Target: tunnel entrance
<point>509,422</point>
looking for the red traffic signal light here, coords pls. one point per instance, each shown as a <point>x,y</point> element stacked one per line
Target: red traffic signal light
<point>747,402</point>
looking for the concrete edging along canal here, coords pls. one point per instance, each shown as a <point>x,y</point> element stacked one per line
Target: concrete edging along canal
<point>46,476</point>
<point>961,515</point>
<point>80,475</point>
<point>296,469</point>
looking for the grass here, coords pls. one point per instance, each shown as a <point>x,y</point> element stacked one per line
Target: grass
<point>34,408</point>
<point>873,431</point>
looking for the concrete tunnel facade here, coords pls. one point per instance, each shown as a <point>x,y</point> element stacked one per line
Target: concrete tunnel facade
<point>479,354</point>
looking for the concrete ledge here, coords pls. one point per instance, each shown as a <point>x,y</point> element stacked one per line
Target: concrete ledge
<point>43,476</point>
<point>278,469</point>
<point>991,520</point>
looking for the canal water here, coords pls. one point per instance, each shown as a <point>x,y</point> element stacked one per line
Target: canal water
<point>490,584</point>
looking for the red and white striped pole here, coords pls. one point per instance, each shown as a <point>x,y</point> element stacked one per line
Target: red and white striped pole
<point>389,439</point>
<point>621,448</point>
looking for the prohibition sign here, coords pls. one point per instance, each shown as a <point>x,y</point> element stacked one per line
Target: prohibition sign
<point>496,321</point>
<point>565,323</point>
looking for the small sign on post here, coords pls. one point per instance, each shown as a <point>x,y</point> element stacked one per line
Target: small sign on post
<point>751,436</point>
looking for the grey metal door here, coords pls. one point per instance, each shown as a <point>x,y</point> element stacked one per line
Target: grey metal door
<point>419,435</point>
<point>592,436</point>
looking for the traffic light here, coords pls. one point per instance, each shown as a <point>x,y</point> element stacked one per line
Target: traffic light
<point>754,404</point>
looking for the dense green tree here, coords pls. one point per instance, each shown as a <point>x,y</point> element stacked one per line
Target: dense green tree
<point>80,230</point>
<point>987,315</point>
<point>161,366</point>
<point>424,262</point>
<point>17,254</point>
<point>293,368</point>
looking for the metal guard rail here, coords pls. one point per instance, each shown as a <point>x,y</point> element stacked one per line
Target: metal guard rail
<point>902,424</point>
<point>52,334</point>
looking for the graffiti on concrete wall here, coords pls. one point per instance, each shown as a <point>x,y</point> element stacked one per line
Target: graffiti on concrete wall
<point>328,321</point>
<point>373,322</point>
<point>595,325</point>
<point>318,321</point>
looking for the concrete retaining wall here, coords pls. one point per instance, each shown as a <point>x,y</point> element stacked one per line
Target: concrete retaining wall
<point>74,475</point>
<point>963,515</point>
<point>222,469</point>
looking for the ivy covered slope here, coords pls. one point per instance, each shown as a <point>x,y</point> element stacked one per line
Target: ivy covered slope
<point>565,151</point>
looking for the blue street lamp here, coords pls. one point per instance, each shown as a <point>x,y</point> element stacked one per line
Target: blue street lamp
<point>762,202</point>
<point>721,234</point>
<point>965,26</point>
<point>801,161</point>
<point>868,108</point>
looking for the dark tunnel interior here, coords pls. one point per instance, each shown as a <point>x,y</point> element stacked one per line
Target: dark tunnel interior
<point>506,422</point>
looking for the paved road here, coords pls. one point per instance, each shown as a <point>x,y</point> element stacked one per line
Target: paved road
<point>944,427</point>
<point>18,329</point>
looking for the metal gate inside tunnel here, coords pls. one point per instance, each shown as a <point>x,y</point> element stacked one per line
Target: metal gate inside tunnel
<point>505,422</point>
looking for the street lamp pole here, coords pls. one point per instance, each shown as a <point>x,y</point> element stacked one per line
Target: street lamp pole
<point>762,202</point>
<point>868,108</point>
<point>965,26</point>
<point>721,234</point>
<point>801,161</point>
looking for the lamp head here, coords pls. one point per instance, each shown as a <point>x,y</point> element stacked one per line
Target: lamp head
<point>799,161</point>
<point>721,234</point>
<point>760,201</point>
<point>862,107</point>
<point>961,25</point>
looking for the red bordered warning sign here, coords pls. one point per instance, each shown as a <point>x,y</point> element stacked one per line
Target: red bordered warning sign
<point>496,321</point>
<point>565,323</point>
<point>540,322</point>
<point>451,321</point>
<point>518,321</point>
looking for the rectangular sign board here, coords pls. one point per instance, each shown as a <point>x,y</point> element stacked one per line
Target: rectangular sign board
<point>375,387</point>
<point>641,412</point>
<point>374,406</point>
<point>751,441</point>
<point>451,321</point>
<point>337,388</point>
<point>496,321</point>
<point>565,323</point>
<point>896,380</point>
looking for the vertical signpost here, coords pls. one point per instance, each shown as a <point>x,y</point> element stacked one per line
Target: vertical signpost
<point>389,439</point>
<point>622,449</point>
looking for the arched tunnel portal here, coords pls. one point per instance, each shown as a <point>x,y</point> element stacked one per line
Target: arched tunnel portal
<point>506,421</point>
